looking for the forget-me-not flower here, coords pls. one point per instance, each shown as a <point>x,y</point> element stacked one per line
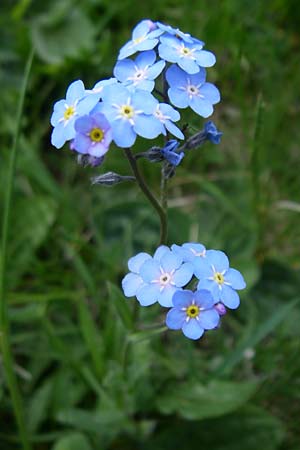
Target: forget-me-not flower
<point>191,90</point>
<point>77,103</point>
<point>189,56</point>
<point>212,134</point>
<point>214,274</point>
<point>158,278</point>
<point>144,37</point>
<point>93,135</point>
<point>176,32</point>
<point>129,113</point>
<point>141,72</point>
<point>100,85</point>
<point>163,117</point>
<point>169,153</point>
<point>193,312</point>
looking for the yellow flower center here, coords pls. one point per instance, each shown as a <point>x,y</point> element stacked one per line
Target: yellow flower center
<point>96,134</point>
<point>185,51</point>
<point>127,111</point>
<point>219,278</point>
<point>164,279</point>
<point>69,112</point>
<point>139,40</point>
<point>192,311</point>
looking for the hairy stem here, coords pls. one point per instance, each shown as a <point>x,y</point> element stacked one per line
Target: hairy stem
<point>7,355</point>
<point>154,202</point>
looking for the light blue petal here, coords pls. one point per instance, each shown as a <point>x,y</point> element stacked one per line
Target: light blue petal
<point>127,50</point>
<point>147,126</point>
<point>192,329</point>
<point>188,65</point>
<point>148,294</point>
<point>212,286</point>
<point>98,149</point>
<point>235,278</point>
<point>123,134</point>
<point>176,77</point>
<point>169,111</point>
<point>204,298</point>
<point>82,143</point>
<point>69,130</point>
<point>170,261</point>
<point>178,98</point>
<point>173,129</point>
<point>155,70</point>
<point>201,107</point>
<point>57,136</point>
<point>202,268</point>
<point>160,251</point>
<point>183,298</point>
<point>141,29</point>
<point>58,112</point>
<point>83,124</point>
<point>183,275</point>
<point>75,91</point>
<point>209,319</point>
<point>205,58</point>
<point>131,283</point>
<point>168,53</point>
<point>145,59</point>
<point>229,297</point>
<point>166,295</point>
<point>195,249</point>
<point>217,259</point>
<point>115,93</point>
<point>150,270</point>
<point>135,263</point>
<point>210,92</point>
<point>144,101</point>
<point>198,78</point>
<point>124,69</point>
<point>175,319</point>
<point>148,44</point>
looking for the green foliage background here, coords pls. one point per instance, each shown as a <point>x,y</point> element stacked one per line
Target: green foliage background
<point>93,373</point>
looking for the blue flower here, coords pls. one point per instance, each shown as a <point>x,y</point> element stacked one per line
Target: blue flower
<point>129,114</point>
<point>222,281</point>
<point>100,85</point>
<point>93,135</point>
<point>189,56</point>
<point>169,153</point>
<point>77,103</point>
<point>176,32</point>
<point>156,279</point>
<point>212,133</point>
<point>191,90</point>
<point>141,72</point>
<point>193,312</point>
<point>144,37</point>
<point>190,251</point>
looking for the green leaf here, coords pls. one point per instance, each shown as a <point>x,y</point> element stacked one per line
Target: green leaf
<point>74,29</point>
<point>38,407</point>
<point>121,306</point>
<point>74,441</point>
<point>262,330</point>
<point>251,428</point>
<point>195,401</point>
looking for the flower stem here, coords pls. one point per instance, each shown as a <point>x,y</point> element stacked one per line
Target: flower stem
<point>141,182</point>
<point>5,344</point>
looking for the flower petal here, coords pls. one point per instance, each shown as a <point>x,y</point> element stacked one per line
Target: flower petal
<point>204,298</point>
<point>175,319</point>
<point>192,329</point>
<point>183,274</point>
<point>160,252</point>
<point>131,283</point>
<point>135,263</point>
<point>209,319</point>
<point>182,299</point>
<point>166,296</point>
<point>218,259</point>
<point>150,270</point>
<point>229,297</point>
<point>235,278</point>
<point>170,261</point>
<point>148,294</point>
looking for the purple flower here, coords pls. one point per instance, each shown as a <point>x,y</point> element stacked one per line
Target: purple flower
<point>141,72</point>
<point>189,56</point>
<point>192,90</point>
<point>93,135</point>
<point>156,279</point>
<point>144,37</point>
<point>216,276</point>
<point>193,312</point>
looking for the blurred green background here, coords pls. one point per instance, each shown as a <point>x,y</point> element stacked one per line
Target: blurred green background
<point>92,373</point>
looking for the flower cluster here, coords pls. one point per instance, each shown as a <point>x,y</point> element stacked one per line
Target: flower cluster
<point>167,278</point>
<point>131,104</point>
